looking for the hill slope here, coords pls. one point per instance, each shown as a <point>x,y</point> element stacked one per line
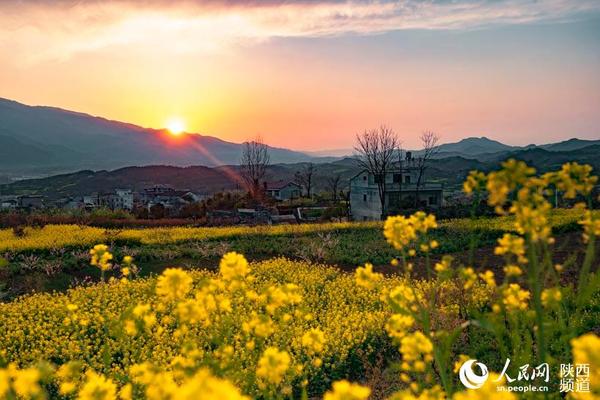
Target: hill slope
<point>451,171</point>
<point>52,137</point>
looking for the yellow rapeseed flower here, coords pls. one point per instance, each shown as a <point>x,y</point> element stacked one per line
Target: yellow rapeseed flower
<point>366,278</point>
<point>233,266</point>
<point>398,325</point>
<point>97,387</point>
<point>273,365</point>
<point>101,257</point>
<point>586,350</point>
<point>344,390</point>
<point>513,270</point>
<point>314,340</point>
<point>515,298</point>
<point>417,352</point>
<point>488,391</point>
<point>551,296</point>
<point>173,284</point>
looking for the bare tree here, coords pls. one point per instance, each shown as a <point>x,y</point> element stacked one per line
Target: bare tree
<point>377,150</point>
<point>400,172</point>
<point>429,141</point>
<point>304,178</point>
<point>333,183</point>
<point>253,165</point>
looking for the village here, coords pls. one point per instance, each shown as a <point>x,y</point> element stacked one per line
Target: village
<point>279,201</point>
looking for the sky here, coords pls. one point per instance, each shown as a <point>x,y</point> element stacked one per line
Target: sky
<point>310,75</point>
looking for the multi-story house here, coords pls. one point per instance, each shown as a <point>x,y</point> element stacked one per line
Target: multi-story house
<point>400,192</point>
<point>119,199</point>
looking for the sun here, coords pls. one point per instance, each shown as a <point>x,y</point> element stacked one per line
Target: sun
<point>175,126</point>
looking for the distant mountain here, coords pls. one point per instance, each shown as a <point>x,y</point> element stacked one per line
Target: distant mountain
<point>332,153</point>
<point>488,150</point>
<point>451,171</point>
<point>545,160</point>
<point>569,145</point>
<point>39,141</point>
<point>474,146</point>
<point>33,137</point>
<point>196,178</point>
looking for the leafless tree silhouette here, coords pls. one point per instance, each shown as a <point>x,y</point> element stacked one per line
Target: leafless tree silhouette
<point>429,142</point>
<point>253,165</point>
<point>377,151</point>
<point>333,184</point>
<point>304,178</point>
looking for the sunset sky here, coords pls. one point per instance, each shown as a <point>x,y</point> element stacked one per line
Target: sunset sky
<point>309,75</point>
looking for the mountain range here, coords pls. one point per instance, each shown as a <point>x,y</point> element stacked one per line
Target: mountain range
<point>450,171</point>
<point>45,141</point>
<point>48,139</point>
<point>37,138</point>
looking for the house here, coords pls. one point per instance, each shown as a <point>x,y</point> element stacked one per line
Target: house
<point>400,192</point>
<point>9,202</point>
<point>283,190</point>
<point>165,196</point>
<point>119,199</point>
<point>30,201</point>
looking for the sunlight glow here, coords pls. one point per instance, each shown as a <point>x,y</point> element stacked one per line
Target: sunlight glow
<point>176,126</point>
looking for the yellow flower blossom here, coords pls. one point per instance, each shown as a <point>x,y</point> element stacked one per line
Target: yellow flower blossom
<point>462,358</point>
<point>591,226</point>
<point>475,182</point>
<point>173,284</point>
<point>513,270</point>
<point>515,298</point>
<point>233,266</point>
<point>489,390</point>
<point>4,383</point>
<point>97,387</point>
<point>444,265</point>
<point>398,325</point>
<point>366,278</point>
<point>126,392</point>
<point>273,365</point>
<point>344,390</point>
<point>417,352</point>
<point>551,296</point>
<point>405,298</point>
<point>101,257</point>
<point>510,244</point>
<point>25,381</point>
<point>574,178</point>
<point>468,276</point>
<point>488,278</point>
<point>203,385</point>
<point>314,340</point>
<point>586,350</point>
<point>400,231</point>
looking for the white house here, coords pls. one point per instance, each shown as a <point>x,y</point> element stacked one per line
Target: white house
<point>400,193</point>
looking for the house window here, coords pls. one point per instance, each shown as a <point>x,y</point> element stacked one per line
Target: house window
<point>407,179</point>
<point>397,178</point>
<point>364,177</point>
<point>364,197</point>
<point>432,200</point>
<point>378,178</point>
